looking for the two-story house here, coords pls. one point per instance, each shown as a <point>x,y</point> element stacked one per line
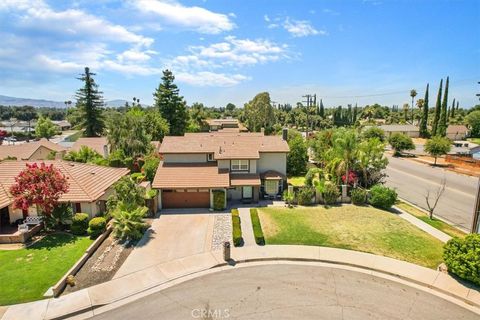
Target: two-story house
<point>245,165</point>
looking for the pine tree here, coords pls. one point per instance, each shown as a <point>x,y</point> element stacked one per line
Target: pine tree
<point>424,120</point>
<point>322,110</point>
<point>442,125</point>
<point>171,105</point>
<point>452,110</point>
<point>90,104</point>
<point>437,110</point>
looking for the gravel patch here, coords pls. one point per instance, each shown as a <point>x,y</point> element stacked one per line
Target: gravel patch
<point>222,231</point>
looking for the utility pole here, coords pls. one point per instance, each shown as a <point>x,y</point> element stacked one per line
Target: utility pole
<point>311,99</point>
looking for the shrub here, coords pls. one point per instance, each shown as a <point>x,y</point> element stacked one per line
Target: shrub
<point>97,226</point>
<point>462,257</point>
<point>218,200</point>
<point>330,193</point>
<point>79,223</point>
<point>128,224</point>
<point>150,194</point>
<point>137,177</point>
<point>61,216</point>
<point>400,142</point>
<point>305,195</point>
<point>382,197</point>
<point>359,196</point>
<point>236,229</point>
<point>257,227</point>
<point>374,132</point>
<point>150,166</point>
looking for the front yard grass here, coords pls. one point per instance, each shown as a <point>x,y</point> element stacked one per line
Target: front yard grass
<point>436,223</point>
<point>26,274</point>
<point>474,140</point>
<point>351,227</point>
<point>296,181</point>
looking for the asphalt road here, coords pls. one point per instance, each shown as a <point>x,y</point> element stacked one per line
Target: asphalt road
<point>412,181</point>
<point>290,292</point>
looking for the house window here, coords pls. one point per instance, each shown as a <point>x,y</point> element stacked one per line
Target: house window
<point>239,165</point>
<point>271,187</point>
<point>210,157</point>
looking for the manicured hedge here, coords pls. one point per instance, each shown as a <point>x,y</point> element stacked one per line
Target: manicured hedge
<point>236,229</point>
<point>382,197</point>
<point>218,200</point>
<point>97,226</point>
<point>257,227</point>
<point>359,196</point>
<point>79,223</point>
<point>462,257</point>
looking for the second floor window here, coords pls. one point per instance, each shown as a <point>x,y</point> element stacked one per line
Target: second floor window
<point>210,157</point>
<point>239,165</point>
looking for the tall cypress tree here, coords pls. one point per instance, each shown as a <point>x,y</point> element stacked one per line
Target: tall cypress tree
<point>355,114</point>
<point>458,105</point>
<point>452,110</point>
<point>171,105</point>
<point>90,104</point>
<point>424,120</point>
<point>442,125</point>
<point>438,106</point>
<point>322,110</point>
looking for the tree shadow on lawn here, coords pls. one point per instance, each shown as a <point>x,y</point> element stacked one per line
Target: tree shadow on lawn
<point>53,240</point>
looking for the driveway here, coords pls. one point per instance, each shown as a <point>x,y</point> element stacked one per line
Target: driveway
<point>175,234</point>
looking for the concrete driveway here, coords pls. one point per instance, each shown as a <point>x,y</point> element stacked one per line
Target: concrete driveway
<point>176,233</point>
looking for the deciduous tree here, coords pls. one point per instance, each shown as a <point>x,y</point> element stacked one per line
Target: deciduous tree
<point>45,128</point>
<point>437,146</point>
<point>41,185</point>
<point>259,113</point>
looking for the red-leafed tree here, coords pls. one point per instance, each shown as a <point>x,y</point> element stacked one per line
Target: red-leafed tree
<point>3,135</point>
<point>40,185</point>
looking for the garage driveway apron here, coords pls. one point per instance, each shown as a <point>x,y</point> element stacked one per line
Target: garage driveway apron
<point>175,234</point>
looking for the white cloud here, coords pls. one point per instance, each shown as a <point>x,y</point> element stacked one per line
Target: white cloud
<point>330,12</point>
<point>266,18</point>
<point>301,28</point>
<point>49,63</point>
<point>37,15</point>
<point>135,55</point>
<point>207,78</point>
<point>194,18</point>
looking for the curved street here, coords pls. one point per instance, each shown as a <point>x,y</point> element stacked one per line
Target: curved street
<point>289,291</point>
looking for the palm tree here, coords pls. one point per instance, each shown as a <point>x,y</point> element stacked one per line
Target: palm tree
<point>413,94</point>
<point>346,147</point>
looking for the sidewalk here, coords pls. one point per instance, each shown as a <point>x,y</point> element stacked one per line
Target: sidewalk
<point>85,303</point>
<point>247,228</point>
<point>423,225</point>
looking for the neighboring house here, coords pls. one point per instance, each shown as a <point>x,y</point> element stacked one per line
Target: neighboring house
<point>62,124</point>
<point>99,144</point>
<point>457,132</point>
<point>407,129</point>
<point>466,148</point>
<point>89,187</point>
<point>245,165</point>
<point>34,150</point>
<point>227,125</point>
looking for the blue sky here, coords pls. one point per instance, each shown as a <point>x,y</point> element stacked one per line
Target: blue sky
<point>227,51</point>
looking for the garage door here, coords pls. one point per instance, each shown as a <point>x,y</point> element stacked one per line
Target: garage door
<point>185,199</point>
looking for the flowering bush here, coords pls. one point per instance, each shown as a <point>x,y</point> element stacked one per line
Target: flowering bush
<point>352,178</point>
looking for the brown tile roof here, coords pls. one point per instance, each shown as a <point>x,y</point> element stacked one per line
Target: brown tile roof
<point>96,143</point>
<point>246,179</point>
<point>219,122</point>
<point>190,175</point>
<point>225,145</point>
<point>87,182</point>
<point>457,129</point>
<point>25,150</point>
<point>272,175</point>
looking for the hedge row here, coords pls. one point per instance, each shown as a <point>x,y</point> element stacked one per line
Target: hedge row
<point>257,227</point>
<point>236,229</point>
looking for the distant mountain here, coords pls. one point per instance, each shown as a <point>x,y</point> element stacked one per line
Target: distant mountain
<point>12,101</point>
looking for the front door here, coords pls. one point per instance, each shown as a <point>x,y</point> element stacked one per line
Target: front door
<point>4,217</point>
<point>247,192</point>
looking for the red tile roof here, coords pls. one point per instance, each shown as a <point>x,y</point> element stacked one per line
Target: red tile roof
<point>25,150</point>
<point>87,182</point>
<point>246,179</point>
<point>190,175</point>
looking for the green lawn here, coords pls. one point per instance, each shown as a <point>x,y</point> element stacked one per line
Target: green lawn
<point>350,227</point>
<point>26,274</point>
<point>296,181</point>
<point>436,223</point>
<point>475,140</point>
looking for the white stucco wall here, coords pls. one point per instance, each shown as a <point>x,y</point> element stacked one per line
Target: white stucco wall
<point>272,161</point>
<point>253,166</point>
<point>235,194</point>
<point>16,214</point>
<point>223,164</point>
<point>182,158</point>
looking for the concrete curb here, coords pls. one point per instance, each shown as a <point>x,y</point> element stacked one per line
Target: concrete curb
<point>123,289</point>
